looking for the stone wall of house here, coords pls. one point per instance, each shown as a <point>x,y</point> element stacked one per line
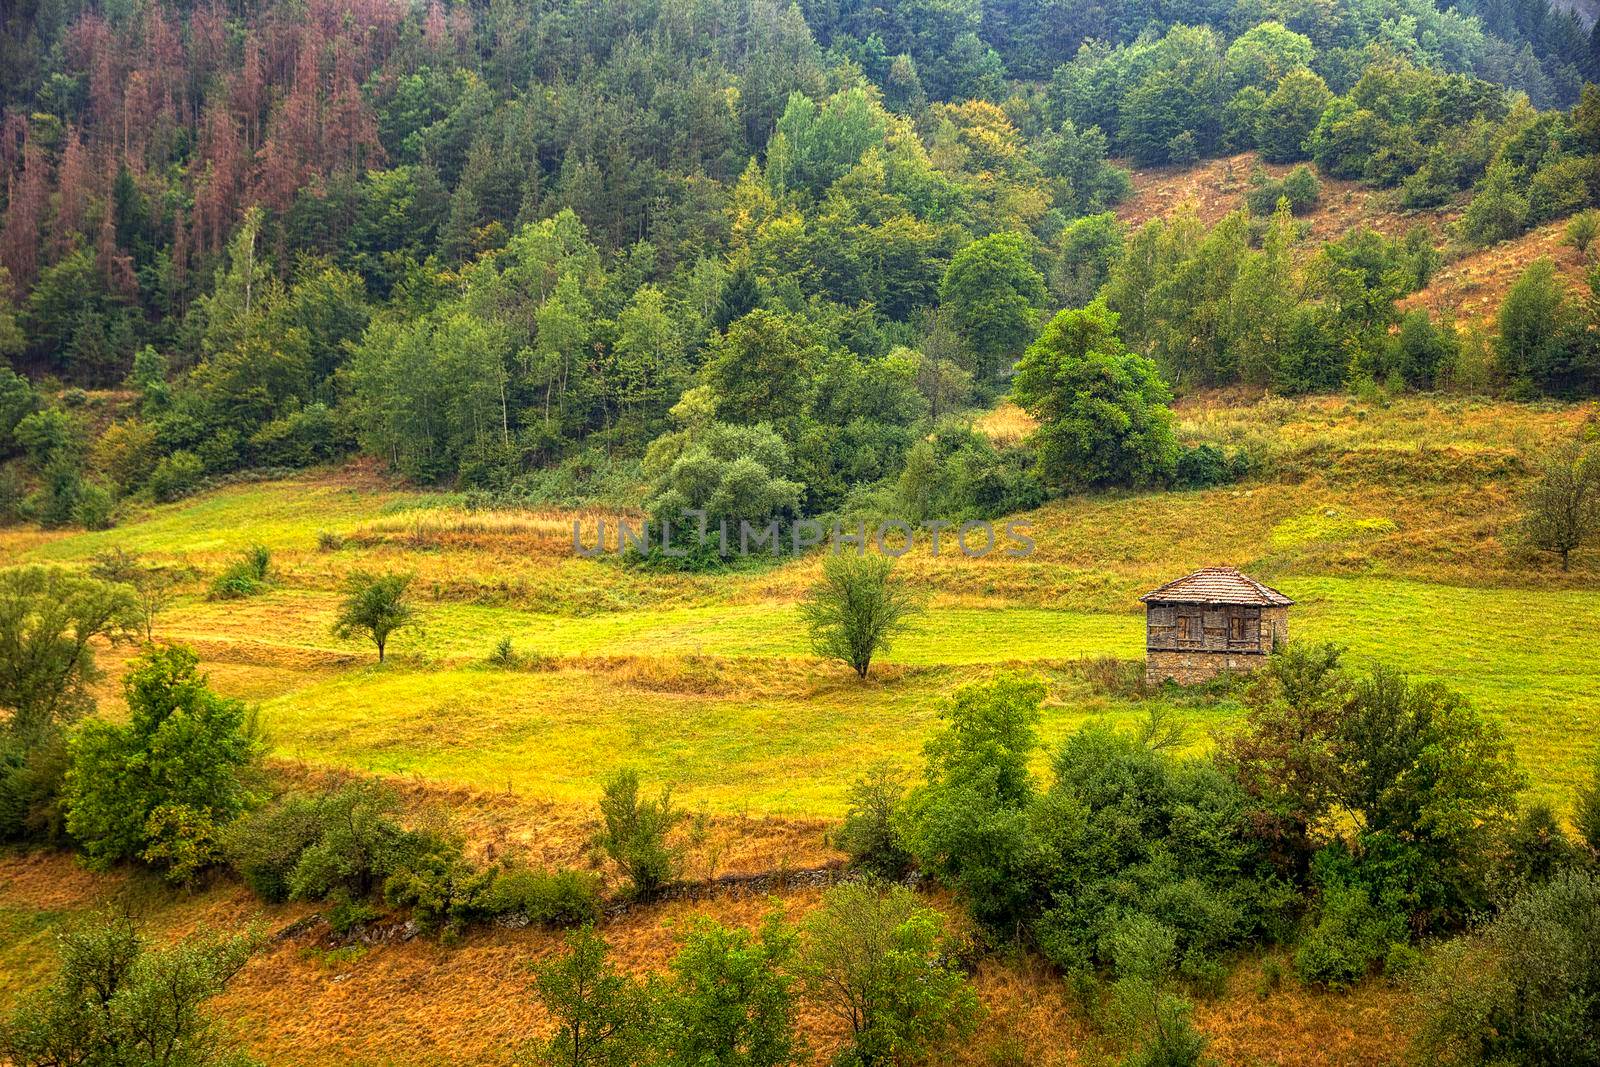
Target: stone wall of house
<point>1165,657</point>
<point>1187,668</point>
<point>1274,627</point>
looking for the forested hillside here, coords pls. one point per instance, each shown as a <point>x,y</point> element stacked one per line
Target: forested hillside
<point>745,254</point>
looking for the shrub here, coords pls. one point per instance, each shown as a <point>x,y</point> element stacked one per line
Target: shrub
<point>93,507</point>
<point>547,898</point>
<point>1525,991</point>
<point>1206,466</point>
<point>176,476</point>
<point>31,780</point>
<point>1132,830</point>
<point>245,577</point>
<point>162,787</point>
<point>1537,847</point>
<point>1149,1014</point>
<point>1350,934</point>
<point>599,1014</point>
<point>728,999</point>
<point>637,834</point>
<point>359,844</point>
<point>871,834</point>
<point>299,439</point>
<point>1431,782</point>
<point>1583,229</point>
<point>117,1000</point>
<point>264,846</point>
<point>442,889</point>
<point>125,452</point>
<point>1300,187</point>
<point>1559,187</point>
<point>967,823</point>
<point>877,961</point>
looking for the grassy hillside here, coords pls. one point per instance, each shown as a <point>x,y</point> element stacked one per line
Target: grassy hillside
<point>1387,522</point>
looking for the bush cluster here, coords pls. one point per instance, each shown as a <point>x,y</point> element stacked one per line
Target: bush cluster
<point>1350,815</point>
<point>348,846</point>
<point>870,957</point>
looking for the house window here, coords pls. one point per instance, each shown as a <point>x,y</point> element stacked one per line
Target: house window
<point>1189,628</point>
<point>1236,629</point>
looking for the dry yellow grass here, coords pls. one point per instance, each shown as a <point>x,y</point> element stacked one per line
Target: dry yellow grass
<point>307,999</point>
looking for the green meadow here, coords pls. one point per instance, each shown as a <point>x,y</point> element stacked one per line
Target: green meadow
<point>708,681</point>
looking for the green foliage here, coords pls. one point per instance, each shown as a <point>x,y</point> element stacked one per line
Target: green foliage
<point>762,368</point>
<point>1175,104</point>
<point>1205,466</point>
<point>1102,410</point>
<point>356,844</point>
<point>727,1001</point>
<point>162,788</point>
<point>1428,783</point>
<point>967,824</point>
<point>958,474</point>
<point>264,846</point>
<point>1537,847</point>
<point>1583,229</point>
<point>637,834</point>
<point>815,145</point>
<point>1299,187</point>
<point>1089,247</point>
<point>734,474</point>
<point>857,608</point>
<point>1132,830</point>
<point>1264,53</point>
<point>118,1001</point>
<point>49,621</point>
<point>598,1012</point>
<point>1289,115</point>
<point>1349,932</point>
<point>176,476</point>
<point>1524,991</point>
<point>1499,209</point>
<point>1147,1011</point>
<point>872,834</point>
<point>375,606</point>
<point>1562,507</point>
<point>992,292</point>
<point>548,898</point>
<point>31,778</point>
<point>249,575</point>
<point>442,889</point>
<point>876,961</point>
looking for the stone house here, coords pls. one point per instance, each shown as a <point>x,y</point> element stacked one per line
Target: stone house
<point>1211,621</point>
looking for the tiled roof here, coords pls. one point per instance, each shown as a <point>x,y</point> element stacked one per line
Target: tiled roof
<point>1216,585</point>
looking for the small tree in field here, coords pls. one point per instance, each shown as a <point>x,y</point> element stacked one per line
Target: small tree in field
<point>1564,504</point>
<point>874,959</point>
<point>162,787</point>
<point>376,606</point>
<point>635,833</point>
<point>857,608</point>
<point>118,1001</point>
<point>597,1011</point>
